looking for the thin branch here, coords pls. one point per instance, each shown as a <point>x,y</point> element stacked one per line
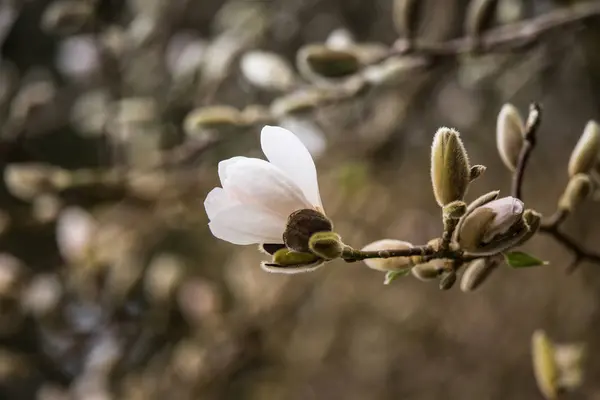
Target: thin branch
<point>550,225</point>
<point>530,139</point>
<point>507,37</point>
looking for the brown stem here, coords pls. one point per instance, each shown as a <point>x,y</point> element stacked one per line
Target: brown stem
<point>530,139</point>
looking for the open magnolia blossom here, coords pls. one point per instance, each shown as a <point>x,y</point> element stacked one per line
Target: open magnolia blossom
<point>258,197</point>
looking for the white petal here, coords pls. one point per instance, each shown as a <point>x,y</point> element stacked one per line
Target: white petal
<point>287,152</point>
<point>259,183</point>
<point>274,268</point>
<point>218,200</point>
<point>245,224</point>
<point>226,164</point>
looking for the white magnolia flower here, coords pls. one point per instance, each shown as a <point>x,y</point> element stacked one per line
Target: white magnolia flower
<point>258,196</point>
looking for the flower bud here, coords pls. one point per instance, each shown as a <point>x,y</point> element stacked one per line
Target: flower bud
<point>455,209</point>
<point>477,272</point>
<point>493,227</point>
<point>327,245</point>
<point>476,171</point>
<point>509,135</point>
<point>577,190</point>
<point>392,263</point>
<point>301,225</point>
<point>406,18</point>
<point>480,16</point>
<point>585,153</point>
<point>213,117</point>
<point>533,221</point>
<point>428,271</point>
<point>450,171</point>
<point>447,280</point>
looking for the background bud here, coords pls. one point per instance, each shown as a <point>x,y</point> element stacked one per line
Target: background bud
<point>509,135</point>
<point>450,171</point>
<point>327,245</point>
<point>544,364</point>
<point>577,190</point>
<point>477,272</point>
<point>388,264</point>
<point>267,70</point>
<point>585,153</point>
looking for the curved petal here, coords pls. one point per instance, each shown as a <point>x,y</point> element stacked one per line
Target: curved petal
<point>218,200</point>
<point>226,164</point>
<point>246,224</point>
<point>287,152</point>
<point>263,185</point>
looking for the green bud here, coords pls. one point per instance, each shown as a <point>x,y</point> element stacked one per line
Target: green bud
<point>391,263</point>
<point>476,171</point>
<point>509,135</point>
<point>287,257</point>
<point>585,153</point>
<point>450,171</point>
<point>327,245</point>
<point>316,62</point>
<point>577,190</point>
<point>477,272</point>
<point>447,280</point>
<point>303,224</point>
<point>428,271</point>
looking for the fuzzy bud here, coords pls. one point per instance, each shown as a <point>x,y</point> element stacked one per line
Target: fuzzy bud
<point>303,224</point>
<point>477,272</point>
<point>406,18</point>
<point>455,210</point>
<point>450,171</point>
<point>533,221</point>
<point>585,153</point>
<point>493,227</point>
<point>287,261</point>
<point>214,117</point>
<point>577,190</point>
<point>480,16</point>
<point>392,263</point>
<point>428,271</point>
<point>327,245</point>
<point>510,131</point>
<point>476,171</point>
<point>544,364</point>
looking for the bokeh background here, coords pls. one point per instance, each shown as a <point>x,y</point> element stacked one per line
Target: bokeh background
<point>95,103</point>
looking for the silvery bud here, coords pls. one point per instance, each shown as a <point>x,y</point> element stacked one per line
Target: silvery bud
<point>327,245</point>
<point>510,131</point>
<point>450,171</point>
<point>392,263</point>
<point>585,154</point>
<point>493,227</point>
<point>477,272</point>
<point>476,172</point>
<point>577,190</point>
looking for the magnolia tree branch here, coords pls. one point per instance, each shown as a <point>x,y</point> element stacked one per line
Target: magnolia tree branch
<point>507,37</point>
<point>550,225</point>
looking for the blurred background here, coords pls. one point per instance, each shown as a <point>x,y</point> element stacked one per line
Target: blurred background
<point>114,114</point>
